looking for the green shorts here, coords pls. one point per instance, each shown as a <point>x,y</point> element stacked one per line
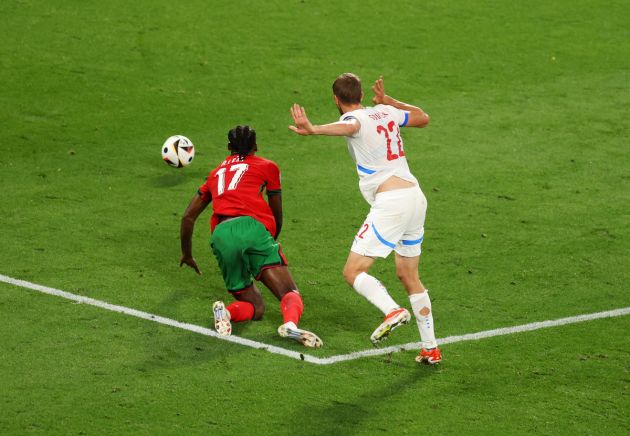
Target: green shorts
<point>244,248</point>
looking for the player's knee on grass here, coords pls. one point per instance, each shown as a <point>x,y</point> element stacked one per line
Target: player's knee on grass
<point>252,296</point>
<point>259,311</point>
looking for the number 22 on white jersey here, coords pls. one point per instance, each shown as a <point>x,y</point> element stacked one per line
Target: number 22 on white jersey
<point>238,170</point>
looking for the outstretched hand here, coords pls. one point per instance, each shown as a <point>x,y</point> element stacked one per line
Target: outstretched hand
<point>302,125</point>
<point>190,261</point>
<point>379,91</point>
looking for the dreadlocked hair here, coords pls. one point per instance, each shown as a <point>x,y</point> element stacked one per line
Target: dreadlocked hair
<point>242,139</point>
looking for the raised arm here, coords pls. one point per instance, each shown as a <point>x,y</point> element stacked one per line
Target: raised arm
<point>304,127</point>
<point>417,117</point>
<point>194,209</point>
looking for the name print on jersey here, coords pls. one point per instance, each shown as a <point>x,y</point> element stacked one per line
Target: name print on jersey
<point>378,116</point>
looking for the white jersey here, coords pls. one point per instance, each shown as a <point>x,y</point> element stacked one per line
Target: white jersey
<point>377,148</point>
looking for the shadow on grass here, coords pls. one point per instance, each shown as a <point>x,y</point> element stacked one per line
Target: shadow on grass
<point>343,415</point>
<point>170,179</point>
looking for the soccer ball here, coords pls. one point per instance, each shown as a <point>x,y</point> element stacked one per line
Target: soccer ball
<point>178,151</point>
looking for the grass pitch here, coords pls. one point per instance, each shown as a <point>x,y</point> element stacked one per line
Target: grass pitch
<point>525,166</point>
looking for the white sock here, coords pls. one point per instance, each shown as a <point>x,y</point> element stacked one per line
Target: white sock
<point>375,292</point>
<point>420,303</point>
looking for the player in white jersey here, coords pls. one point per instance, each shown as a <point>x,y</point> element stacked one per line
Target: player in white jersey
<point>398,206</point>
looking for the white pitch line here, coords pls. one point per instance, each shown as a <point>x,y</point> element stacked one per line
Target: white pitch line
<point>306,357</point>
<point>480,335</point>
<point>156,318</point>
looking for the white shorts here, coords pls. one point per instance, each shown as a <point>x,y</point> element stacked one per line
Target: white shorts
<point>395,222</point>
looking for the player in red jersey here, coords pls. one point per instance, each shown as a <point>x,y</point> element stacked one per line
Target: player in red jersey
<point>244,232</point>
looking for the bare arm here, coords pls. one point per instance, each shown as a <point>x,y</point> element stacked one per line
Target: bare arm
<point>275,203</point>
<point>194,209</point>
<point>417,117</point>
<point>304,127</point>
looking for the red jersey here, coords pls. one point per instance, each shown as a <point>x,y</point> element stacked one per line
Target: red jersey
<point>236,189</point>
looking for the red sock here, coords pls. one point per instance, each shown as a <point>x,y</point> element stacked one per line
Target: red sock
<point>291,307</point>
<point>240,311</point>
